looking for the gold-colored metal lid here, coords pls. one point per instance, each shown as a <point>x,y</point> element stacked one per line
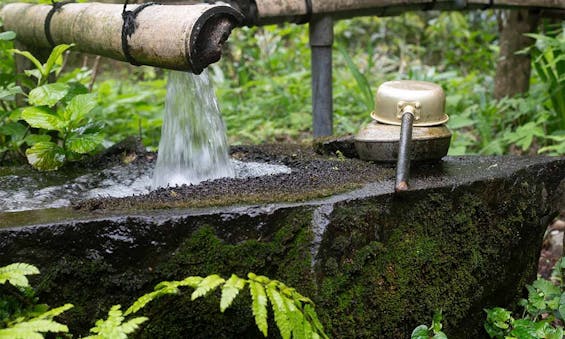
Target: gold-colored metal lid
<point>427,98</point>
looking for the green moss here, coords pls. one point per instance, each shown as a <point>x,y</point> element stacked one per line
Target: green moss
<point>381,278</point>
<point>283,256</point>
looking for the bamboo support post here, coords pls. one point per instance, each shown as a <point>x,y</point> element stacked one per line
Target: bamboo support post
<point>321,41</point>
<point>186,38</point>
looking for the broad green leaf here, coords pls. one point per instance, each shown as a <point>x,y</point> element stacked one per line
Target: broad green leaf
<point>8,93</point>
<point>561,308</point>
<point>83,143</point>
<point>28,55</point>
<point>55,58</point>
<point>8,35</point>
<point>499,316</point>
<point>439,335</point>
<point>13,129</point>
<point>524,329</point>
<point>31,139</point>
<point>259,306</point>
<point>420,332</point>
<point>41,117</point>
<point>16,273</point>
<point>48,95</point>
<point>45,156</point>
<point>546,287</point>
<point>207,285</point>
<point>80,106</point>
<point>556,334</point>
<point>33,73</point>
<point>75,89</point>
<point>230,290</point>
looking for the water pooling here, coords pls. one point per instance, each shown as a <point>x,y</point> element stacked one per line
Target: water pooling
<point>193,149</point>
<point>193,145</point>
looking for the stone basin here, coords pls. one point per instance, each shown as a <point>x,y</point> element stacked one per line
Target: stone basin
<point>466,236</point>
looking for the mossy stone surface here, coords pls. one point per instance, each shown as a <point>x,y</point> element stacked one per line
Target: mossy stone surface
<point>377,264</point>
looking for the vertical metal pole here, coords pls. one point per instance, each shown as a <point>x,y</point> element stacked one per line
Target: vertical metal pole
<point>321,41</point>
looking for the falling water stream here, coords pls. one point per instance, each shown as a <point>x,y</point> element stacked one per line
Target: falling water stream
<point>193,145</point>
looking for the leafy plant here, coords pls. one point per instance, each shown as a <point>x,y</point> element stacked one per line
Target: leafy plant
<point>548,59</point>
<point>53,64</point>
<point>58,128</point>
<point>114,327</point>
<point>57,108</point>
<point>36,321</point>
<point>543,314</point>
<point>294,314</point>
<point>432,332</point>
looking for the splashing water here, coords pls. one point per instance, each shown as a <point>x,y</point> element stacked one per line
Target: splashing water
<point>193,145</point>
<point>193,148</point>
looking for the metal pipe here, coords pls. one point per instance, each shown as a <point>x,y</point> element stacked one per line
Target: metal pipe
<point>321,41</point>
<point>404,148</point>
<point>186,38</point>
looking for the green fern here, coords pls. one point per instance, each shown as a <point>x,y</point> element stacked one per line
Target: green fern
<point>294,314</point>
<point>279,310</point>
<point>206,286</point>
<point>259,304</point>
<point>16,273</point>
<point>114,326</point>
<point>231,289</point>
<point>163,288</point>
<point>34,327</point>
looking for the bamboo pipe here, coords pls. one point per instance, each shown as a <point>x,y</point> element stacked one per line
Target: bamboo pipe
<point>186,38</point>
<point>262,12</point>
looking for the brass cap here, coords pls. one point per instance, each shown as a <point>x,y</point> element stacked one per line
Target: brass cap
<point>425,99</point>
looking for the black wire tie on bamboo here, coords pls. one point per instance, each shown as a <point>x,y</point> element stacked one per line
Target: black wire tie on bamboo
<point>55,7</point>
<point>309,13</point>
<point>129,26</point>
<point>489,6</point>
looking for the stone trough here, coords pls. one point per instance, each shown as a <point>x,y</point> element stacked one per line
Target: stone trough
<point>466,236</point>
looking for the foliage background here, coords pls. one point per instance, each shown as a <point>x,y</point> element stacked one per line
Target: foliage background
<point>263,83</point>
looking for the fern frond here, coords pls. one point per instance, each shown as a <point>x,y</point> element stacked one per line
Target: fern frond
<point>279,309</point>
<point>33,328</point>
<point>259,305</point>
<point>132,325</point>
<point>312,317</point>
<point>191,282</point>
<point>16,273</point>
<point>295,317</point>
<point>207,285</point>
<point>163,288</point>
<point>54,312</point>
<point>114,327</point>
<point>230,290</point>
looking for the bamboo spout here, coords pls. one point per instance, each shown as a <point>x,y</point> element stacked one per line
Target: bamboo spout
<point>185,37</point>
